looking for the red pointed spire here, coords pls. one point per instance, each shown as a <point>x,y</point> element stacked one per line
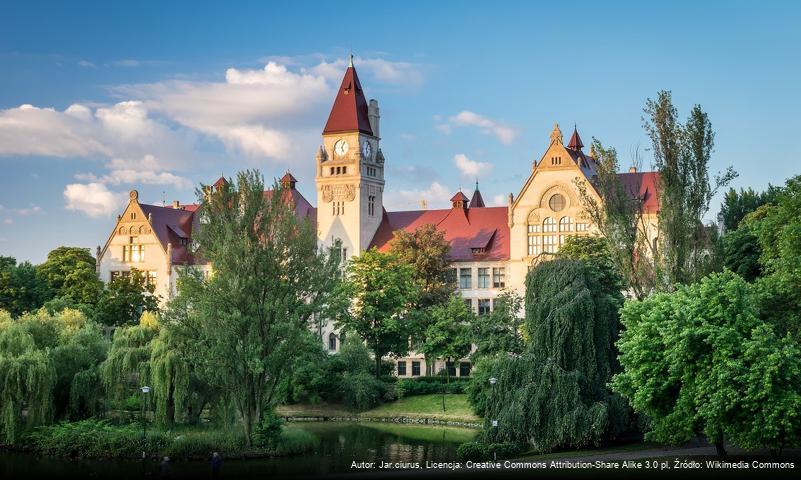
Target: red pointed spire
<point>575,141</point>
<point>349,113</point>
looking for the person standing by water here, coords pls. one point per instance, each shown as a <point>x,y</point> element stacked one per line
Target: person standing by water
<point>216,464</point>
<point>165,467</point>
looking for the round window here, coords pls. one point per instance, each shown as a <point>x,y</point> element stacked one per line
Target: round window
<point>557,202</point>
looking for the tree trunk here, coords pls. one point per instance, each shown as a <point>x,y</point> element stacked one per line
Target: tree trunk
<point>720,448</point>
<point>377,366</point>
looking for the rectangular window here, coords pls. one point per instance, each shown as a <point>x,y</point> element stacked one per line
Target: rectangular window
<point>549,244</point>
<point>533,245</point>
<point>469,303</point>
<point>582,227</point>
<point>483,277</point>
<point>114,276</point>
<point>498,277</point>
<point>332,171</point>
<point>465,278</point>
<point>371,205</point>
<point>451,368</point>
<point>402,368</point>
<point>415,368</point>
<point>483,306</point>
<point>151,278</point>
<point>464,369</point>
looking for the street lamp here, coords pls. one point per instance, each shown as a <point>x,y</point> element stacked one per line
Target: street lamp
<point>493,381</point>
<point>145,390</point>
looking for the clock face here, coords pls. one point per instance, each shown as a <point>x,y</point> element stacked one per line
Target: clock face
<point>366,149</point>
<point>341,148</point>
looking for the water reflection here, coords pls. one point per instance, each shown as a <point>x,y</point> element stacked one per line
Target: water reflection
<point>340,444</point>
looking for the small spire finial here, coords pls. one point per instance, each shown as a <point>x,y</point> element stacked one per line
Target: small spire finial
<point>476,183</point>
<point>350,63</point>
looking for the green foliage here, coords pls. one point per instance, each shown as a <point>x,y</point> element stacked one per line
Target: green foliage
<point>741,253</point>
<point>681,154</point>
<point>426,251</point>
<point>70,273</point>
<point>361,391</point>
<point>475,451</point>
<point>736,205</point>
<point>27,378</point>
<point>700,360</point>
<point>268,431</point>
<point>622,222</point>
<point>127,366</point>
<point>381,290</point>
<point>448,335</point>
<point>241,325</point>
<point>125,299</point>
<point>595,253</point>
<point>21,288</point>
<point>555,394</point>
<point>95,439</point>
<point>500,331</point>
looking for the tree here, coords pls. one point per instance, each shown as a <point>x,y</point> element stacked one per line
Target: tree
<point>447,335</point>
<point>736,205</point>
<point>622,222</point>
<point>500,330</point>
<point>381,290</point>
<point>777,228</point>
<point>268,281</point>
<point>125,299</point>
<point>595,253</point>
<point>701,360</point>
<point>21,289</point>
<point>555,394</point>
<point>426,251</point>
<point>70,272</point>
<point>681,155</point>
<point>741,253</point>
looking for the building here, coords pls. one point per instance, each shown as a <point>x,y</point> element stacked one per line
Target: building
<point>492,248</point>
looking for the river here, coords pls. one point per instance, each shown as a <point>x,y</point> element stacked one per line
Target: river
<point>340,444</point>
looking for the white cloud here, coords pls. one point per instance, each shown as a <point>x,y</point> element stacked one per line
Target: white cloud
<point>384,71</point>
<point>504,133</point>
<point>32,209</point>
<point>435,196</point>
<point>470,168</point>
<point>500,201</point>
<point>93,199</point>
<point>8,221</point>
<point>86,63</point>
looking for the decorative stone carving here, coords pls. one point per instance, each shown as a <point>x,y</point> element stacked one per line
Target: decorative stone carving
<point>533,218</point>
<point>345,192</point>
<point>556,134</point>
<point>568,193</point>
<point>134,195</point>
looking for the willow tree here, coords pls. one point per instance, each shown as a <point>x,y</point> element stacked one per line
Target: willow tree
<point>555,394</point>
<point>127,366</point>
<point>27,379</point>
<point>268,281</point>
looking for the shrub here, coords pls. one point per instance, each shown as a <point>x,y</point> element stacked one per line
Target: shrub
<point>95,439</point>
<point>268,430</point>
<point>472,451</point>
<point>503,450</point>
<point>407,387</point>
<point>201,444</point>
<point>361,391</point>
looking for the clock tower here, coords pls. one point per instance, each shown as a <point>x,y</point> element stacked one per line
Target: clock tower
<point>350,170</point>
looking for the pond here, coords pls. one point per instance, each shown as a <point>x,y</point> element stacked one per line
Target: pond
<point>339,445</point>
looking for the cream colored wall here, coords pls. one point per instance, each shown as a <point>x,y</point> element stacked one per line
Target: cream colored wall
<point>111,257</point>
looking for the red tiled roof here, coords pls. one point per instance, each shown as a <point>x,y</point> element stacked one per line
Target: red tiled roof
<point>349,113</point>
<point>170,225</point>
<point>465,229</point>
<point>642,185</point>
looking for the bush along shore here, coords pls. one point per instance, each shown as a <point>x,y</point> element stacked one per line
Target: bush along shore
<point>102,439</point>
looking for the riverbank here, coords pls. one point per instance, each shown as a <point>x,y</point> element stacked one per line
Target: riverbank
<point>93,439</point>
<point>421,409</point>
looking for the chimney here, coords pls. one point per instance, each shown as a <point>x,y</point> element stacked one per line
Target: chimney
<point>373,116</point>
<point>176,204</point>
<point>632,169</point>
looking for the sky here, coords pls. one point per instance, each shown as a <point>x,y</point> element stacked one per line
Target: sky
<point>99,98</point>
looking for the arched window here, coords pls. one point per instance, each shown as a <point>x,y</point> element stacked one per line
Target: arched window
<point>557,202</point>
<point>565,224</point>
<point>332,342</point>
<point>549,225</point>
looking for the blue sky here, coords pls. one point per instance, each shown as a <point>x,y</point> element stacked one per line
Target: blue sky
<point>99,98</point>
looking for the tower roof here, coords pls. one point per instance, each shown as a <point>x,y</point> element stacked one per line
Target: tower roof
<point>575,141</point>
<point>288,180</point>
<point>349,113</point>
<point>477,200</point>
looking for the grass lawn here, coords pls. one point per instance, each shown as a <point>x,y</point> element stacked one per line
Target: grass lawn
<point>427,406</point>
<point>418,406</point>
